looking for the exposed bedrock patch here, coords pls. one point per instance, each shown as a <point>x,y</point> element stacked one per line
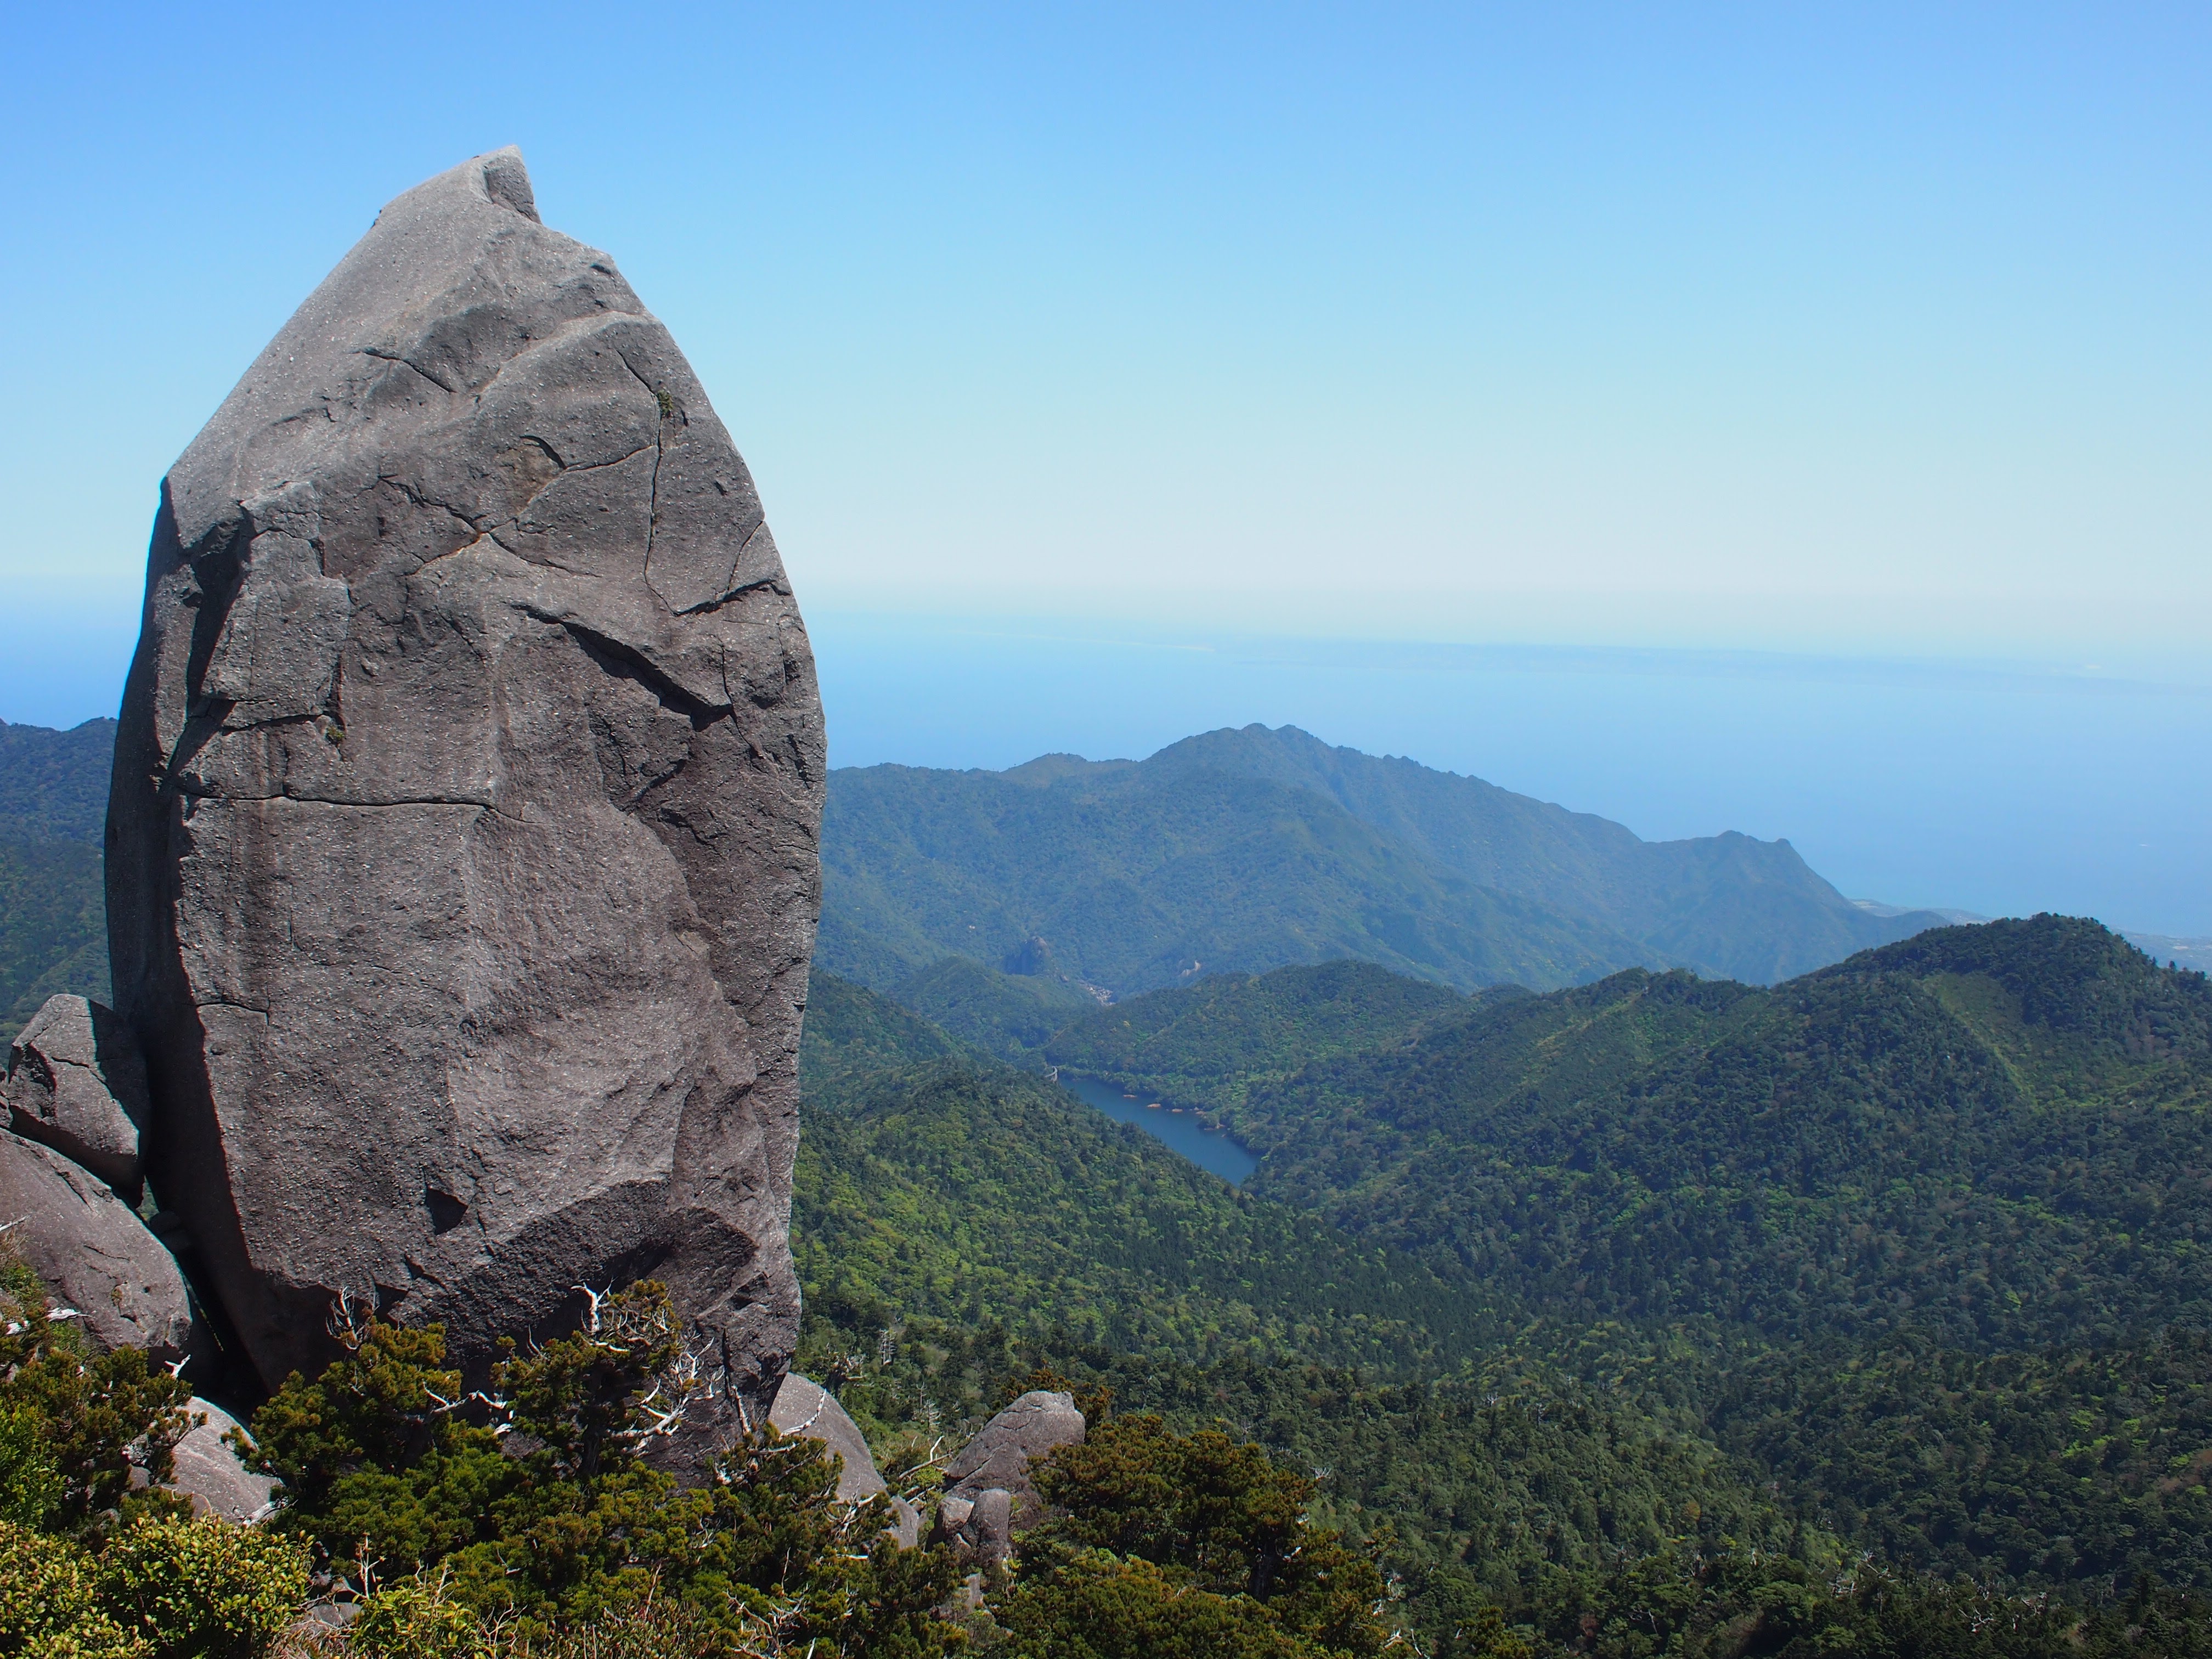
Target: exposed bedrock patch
<point>463,860</point>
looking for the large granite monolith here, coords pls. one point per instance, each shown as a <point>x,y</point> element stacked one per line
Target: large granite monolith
<point>462,855</point>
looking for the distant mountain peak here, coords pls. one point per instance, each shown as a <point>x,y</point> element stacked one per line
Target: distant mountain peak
<point>1250,848</point>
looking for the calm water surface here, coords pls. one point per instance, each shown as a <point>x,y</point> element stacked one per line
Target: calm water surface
<point>1180,1132</point>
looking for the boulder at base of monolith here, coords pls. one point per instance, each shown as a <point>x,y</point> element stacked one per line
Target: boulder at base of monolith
<point>98,1264</point>
<point>75,1083</point>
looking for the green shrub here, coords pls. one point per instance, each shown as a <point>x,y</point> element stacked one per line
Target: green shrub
<point>569,1526</point>
<point>202,1588</point>
<point>74,1424</point>
<point>50,1605</point>
<point>653,1629</point>
<point>1168,1544</point>
<point>414,1618</point>
<point>1095,1605</point>
<point>30,1486</point>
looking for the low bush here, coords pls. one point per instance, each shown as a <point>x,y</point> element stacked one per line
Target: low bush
<point>202,1588</point>
<point>50,1605</point>
<point>534,1506</point>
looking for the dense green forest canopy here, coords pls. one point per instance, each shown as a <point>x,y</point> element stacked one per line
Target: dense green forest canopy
<point>1996,1134</point>
<point>1899,1256</point>
<point>964,1190</point>
<point>1214,1042</point>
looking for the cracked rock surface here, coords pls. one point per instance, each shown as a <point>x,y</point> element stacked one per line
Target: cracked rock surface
<point>93,1256</point>
<point>999,1458</point>
<point>76,1084</point>
<point>463,863</point>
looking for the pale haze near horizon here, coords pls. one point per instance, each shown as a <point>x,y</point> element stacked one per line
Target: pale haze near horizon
<point>1876,337</point>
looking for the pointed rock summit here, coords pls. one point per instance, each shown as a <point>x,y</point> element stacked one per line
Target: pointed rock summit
<point>462,854</point>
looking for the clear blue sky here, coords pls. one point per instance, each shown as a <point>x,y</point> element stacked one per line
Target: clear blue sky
<point>1876,332</point>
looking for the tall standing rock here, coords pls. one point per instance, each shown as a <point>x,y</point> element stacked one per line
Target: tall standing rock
<point>462,858</point>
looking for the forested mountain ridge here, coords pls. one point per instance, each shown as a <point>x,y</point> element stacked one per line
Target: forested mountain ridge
<point>1235,850</point>
<point>1143,887</point>
<point>1999,1135</point>
<point>53,904</point>
<point>1912,1401</point>
<point>1248,850</point>
<point>957,1222</point>
<point>1729,905</point>
<point>1209,1045</point>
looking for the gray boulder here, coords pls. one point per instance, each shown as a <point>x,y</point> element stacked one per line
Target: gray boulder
<point>93,1252</point>
<point>208,1471</point>
<point>463,865</point>
<point>905,1528</point>
<point>998,1457</point>
<point>804,1407</point>
<point>75,1083</point>
<point>980,1526</point>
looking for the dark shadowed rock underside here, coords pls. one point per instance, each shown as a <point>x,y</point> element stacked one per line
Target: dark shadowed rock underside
<point>462,852</point>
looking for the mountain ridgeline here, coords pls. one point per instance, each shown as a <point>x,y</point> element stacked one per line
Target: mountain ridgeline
<point>1993,1134</point>
<point>1251,849</point>
<point>1232,851</point>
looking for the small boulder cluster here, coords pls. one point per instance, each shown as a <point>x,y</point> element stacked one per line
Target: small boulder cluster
<point>988,1493</point>
<point>72,1189</point>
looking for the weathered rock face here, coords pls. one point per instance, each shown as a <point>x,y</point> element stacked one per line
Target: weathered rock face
<point>462,852</point>
<point>209,1473</point>
<point>979,1527</point>
<point>805,1408</point>
<point>94,1253</point>
<point>997,1458</point>
<point>76,1084</point>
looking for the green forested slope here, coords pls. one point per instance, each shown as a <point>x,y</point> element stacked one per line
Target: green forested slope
<point>1139,885</point>
<point>1009,1016</point>
<point>957,1224</point>
<point>1994,1134</point>
<point>1918,1240</point>
<point>1240,851</point>
<point>959,1192</point>
<point>1727,904</point>
<point>53,906</point>
<point>1211,1044</point>
<point>2065,1465</point>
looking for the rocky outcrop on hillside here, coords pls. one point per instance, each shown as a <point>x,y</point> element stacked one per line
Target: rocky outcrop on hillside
<point>989,1493</point>
<point>808,1411</point>
<point>463,862</point>
<point>803,1409</point>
